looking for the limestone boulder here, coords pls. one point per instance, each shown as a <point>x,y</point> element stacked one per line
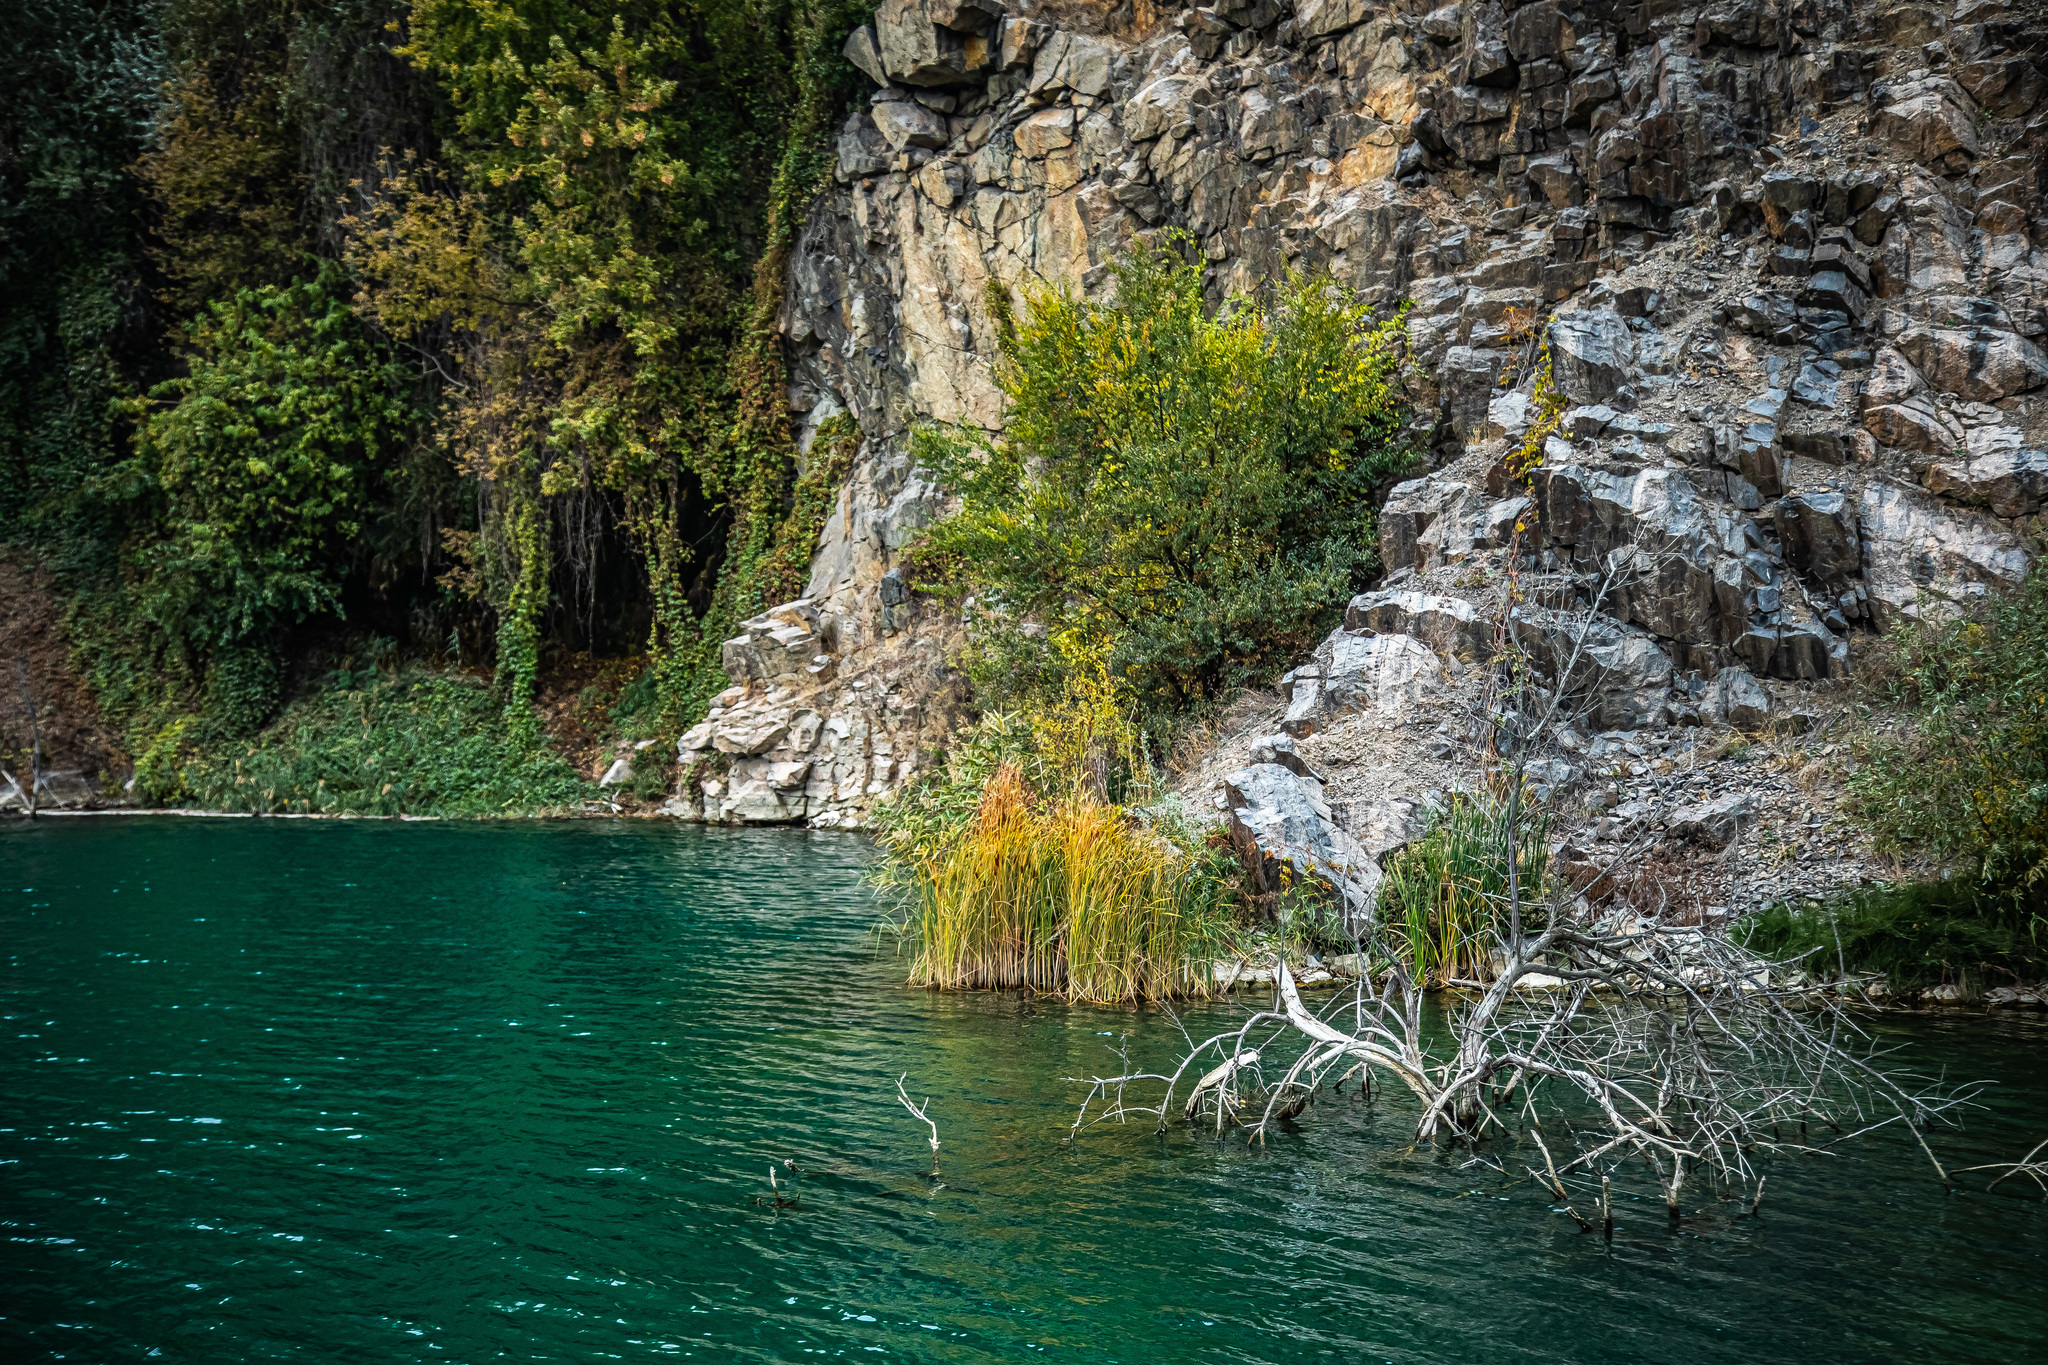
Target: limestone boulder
<point>1389,823</point>
<point>1819,535</point>
<point>1158,108</point>
<point>1926,120</point>
<point>1449,625</point>
<point>764,793</point>
<point>1465,381</point>
<point>1915,425</point>
<point>754,734</point>
<point>1736,698</point>
<point>1980,363</point>
<point>1410,510</point>
<point>1046,131</point>
<point>1614,675</point>
<point>1714,823</point>
<point>862,149</point>
<point>864,50</point>
<point>1998,473</point>
<point>905,123</point>
<point>1279,820</point>
<point>917,49</point>
<point>1384,675</point>
<point>1672,536</point>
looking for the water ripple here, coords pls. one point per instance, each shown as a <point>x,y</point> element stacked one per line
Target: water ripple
<point>307,1092</point>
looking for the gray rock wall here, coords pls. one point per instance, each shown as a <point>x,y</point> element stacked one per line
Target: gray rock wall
<point>1790,259</point>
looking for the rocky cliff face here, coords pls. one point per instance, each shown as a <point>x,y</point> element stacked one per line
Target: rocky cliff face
<point>1790,259</point>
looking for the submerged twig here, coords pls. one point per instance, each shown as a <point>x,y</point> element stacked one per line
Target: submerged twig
<point>923,1114</point>
<point>2036,1171</point>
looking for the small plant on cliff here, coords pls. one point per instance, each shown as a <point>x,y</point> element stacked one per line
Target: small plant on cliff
<point>1965,780</point>
<point>1194,491</point>
<point>1445,894</point>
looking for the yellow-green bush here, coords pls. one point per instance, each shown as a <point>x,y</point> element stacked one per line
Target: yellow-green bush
<point>1964,781</point>
<point>1193,490</point>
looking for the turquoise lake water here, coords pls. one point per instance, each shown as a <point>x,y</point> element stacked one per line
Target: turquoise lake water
<point>303,1091</point>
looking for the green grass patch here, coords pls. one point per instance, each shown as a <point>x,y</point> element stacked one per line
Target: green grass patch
<point>1917,935</point>
<point>1445,896</point>
<point>373,742</point>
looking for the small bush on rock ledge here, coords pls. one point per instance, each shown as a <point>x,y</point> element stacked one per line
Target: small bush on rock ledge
<point>1964,781</point>
<point>1191,493</point>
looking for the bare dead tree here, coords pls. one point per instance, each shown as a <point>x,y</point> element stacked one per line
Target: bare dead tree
<point>1612,1041</point>
<point>1668,1046</point>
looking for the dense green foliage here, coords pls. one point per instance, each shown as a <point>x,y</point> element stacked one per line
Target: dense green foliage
<point>1965,780</point>
<point>1185,494</point>
<point>263,455</point>
<point>374,742</point>
<point>1915,935</point>
<point>445,320</point>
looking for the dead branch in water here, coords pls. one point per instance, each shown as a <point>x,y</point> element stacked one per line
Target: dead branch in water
<point>923,1114</point>
<point>2036,1171</point>
<point>1667,1045</point>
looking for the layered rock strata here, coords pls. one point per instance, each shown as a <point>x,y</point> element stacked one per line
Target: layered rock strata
<point>1787,264</point>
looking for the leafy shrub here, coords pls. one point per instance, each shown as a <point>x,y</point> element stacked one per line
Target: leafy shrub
<point>1447,893</point>
<point>263,456</point>
<point>159,769</point>
<point>1965,781</point>
<point>1915,934</point>
<point>1193,492</point>
<point>380,743</point>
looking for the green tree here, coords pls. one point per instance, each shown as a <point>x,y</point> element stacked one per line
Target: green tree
<point>625,173</point>
<point>1192,493</point>
<point>263,458</point>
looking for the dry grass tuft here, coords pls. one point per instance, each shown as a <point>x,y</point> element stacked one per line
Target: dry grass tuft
<point>1072,898</point>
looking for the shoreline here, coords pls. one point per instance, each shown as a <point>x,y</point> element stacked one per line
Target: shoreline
<point>1231,977</point>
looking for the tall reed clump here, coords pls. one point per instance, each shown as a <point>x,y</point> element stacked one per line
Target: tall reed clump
<point>1013,867</point>
<point>1069,897</point>
<point>1446,894</point>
